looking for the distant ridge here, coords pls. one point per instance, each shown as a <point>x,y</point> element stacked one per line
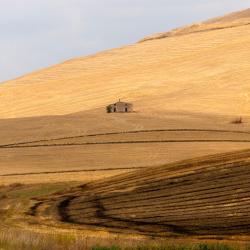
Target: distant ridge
<point>244,14</point>
<point>232,20</point>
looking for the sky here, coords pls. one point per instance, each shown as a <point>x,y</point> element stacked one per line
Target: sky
<point>35,34</point>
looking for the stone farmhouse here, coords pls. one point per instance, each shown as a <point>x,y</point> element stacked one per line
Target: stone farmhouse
<point>120,107</point>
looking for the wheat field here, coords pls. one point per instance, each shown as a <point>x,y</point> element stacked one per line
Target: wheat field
<point>177,167</point>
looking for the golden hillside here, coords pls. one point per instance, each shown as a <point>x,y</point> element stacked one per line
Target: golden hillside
<point>204,72</point>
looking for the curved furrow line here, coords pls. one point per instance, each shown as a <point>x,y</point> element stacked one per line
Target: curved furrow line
<point>204,196</point>
<point>217,161</point>
<point>180,189</point>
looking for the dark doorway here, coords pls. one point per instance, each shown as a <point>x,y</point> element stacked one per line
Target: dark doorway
<point>114,109</point>
<point>126,110</point>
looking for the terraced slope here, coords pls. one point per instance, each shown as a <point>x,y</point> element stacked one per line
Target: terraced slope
<point>206,196</point>
<point>159,75</point>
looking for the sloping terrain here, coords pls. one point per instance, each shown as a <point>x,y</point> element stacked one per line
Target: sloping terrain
<point>206,196</point>
<point>205,72</point>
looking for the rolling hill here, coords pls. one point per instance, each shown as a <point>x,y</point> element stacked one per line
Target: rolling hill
<point>200,68</point>
<point>53,124</point>
<point>187,85</point>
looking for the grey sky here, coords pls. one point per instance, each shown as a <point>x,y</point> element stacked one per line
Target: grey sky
<point>40,33</point>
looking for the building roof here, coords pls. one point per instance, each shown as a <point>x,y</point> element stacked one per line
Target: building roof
<point>120,102</point>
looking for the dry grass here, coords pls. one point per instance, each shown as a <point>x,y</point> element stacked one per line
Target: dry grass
<point>19,239</point>
<point>11,239</point>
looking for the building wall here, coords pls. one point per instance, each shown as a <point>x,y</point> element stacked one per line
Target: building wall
<point>121,107</point>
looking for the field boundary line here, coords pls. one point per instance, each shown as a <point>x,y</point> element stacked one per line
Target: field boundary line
<point>122,142</point>
<point>70,171</point>
<point>125,132</point>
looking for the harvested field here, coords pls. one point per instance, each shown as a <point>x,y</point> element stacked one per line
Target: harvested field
<point>206,196</point>
<point>91,157</point>
<point>91,145</point>
<point>69,167</point>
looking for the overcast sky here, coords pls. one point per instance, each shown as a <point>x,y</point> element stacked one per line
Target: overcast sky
<point>39,33</point>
